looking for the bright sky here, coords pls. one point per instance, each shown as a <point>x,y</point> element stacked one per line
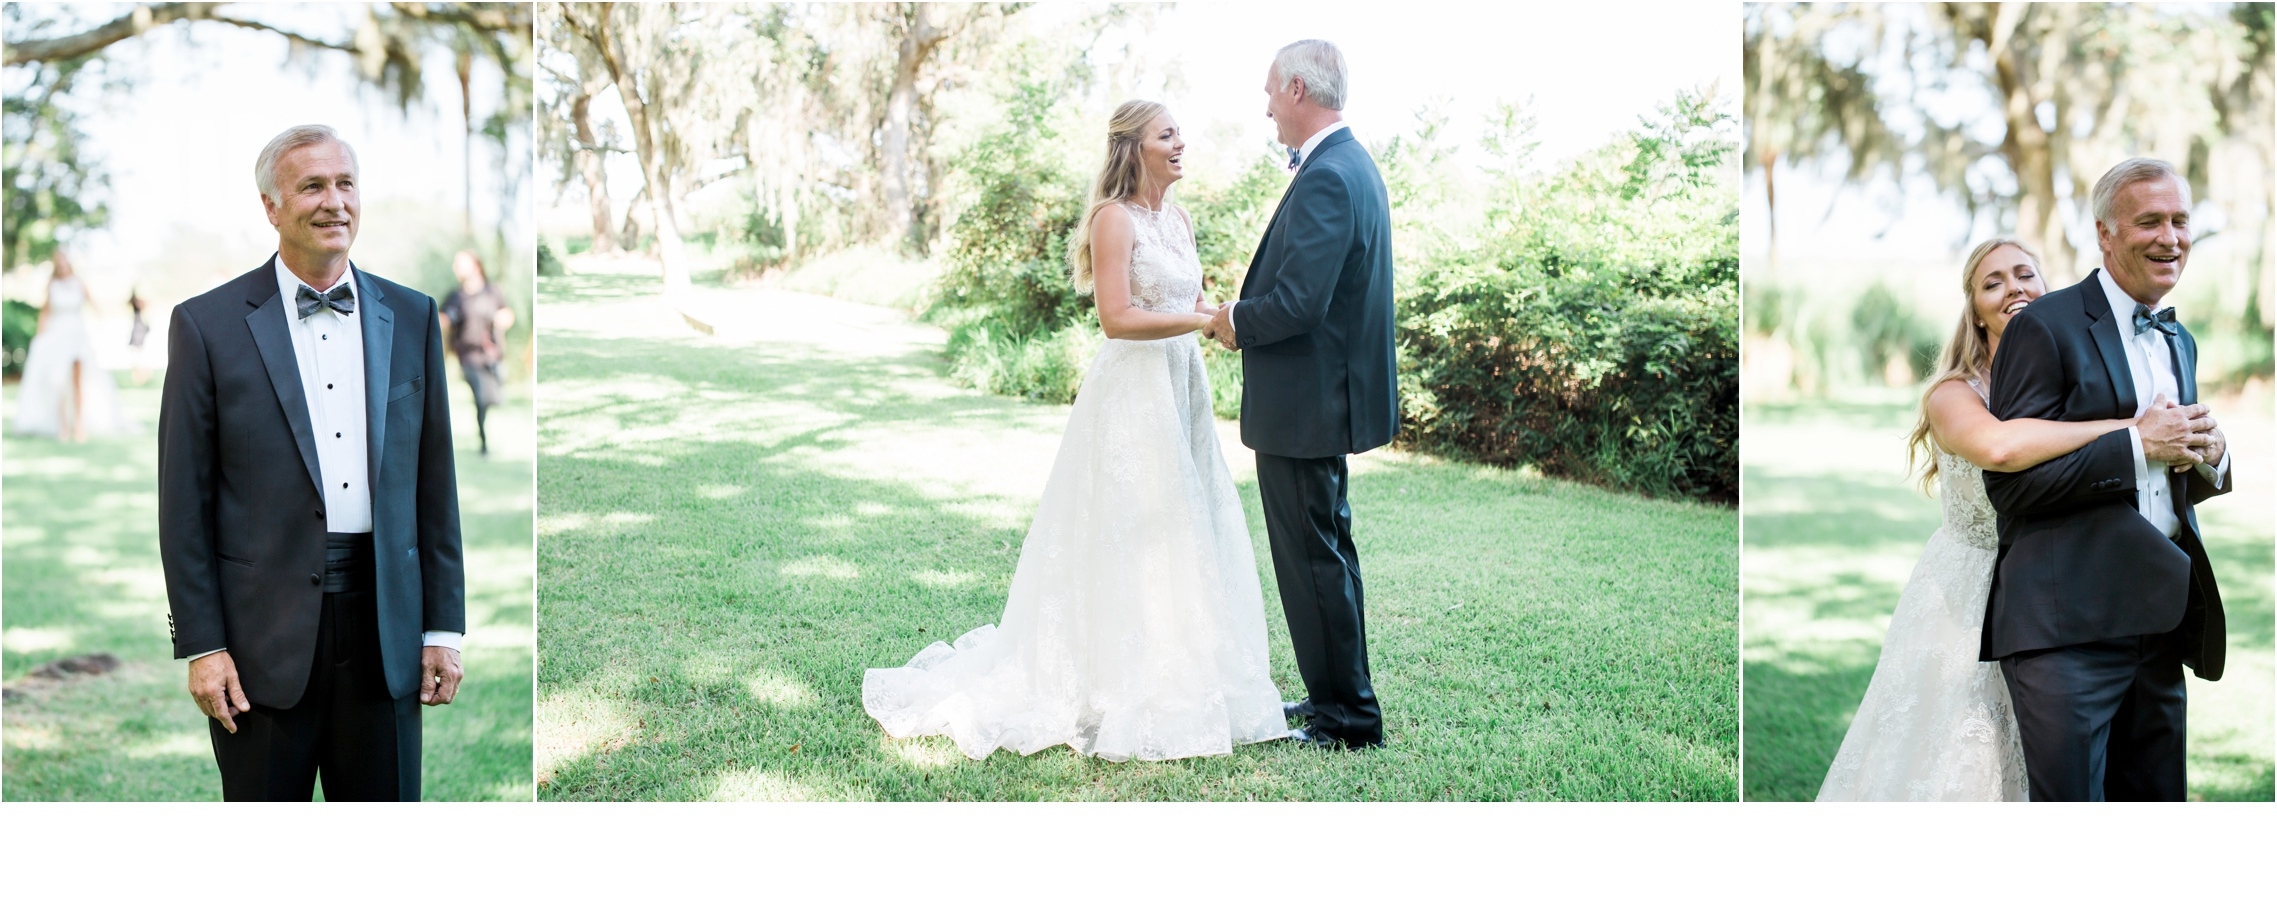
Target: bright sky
<point>180,145</point>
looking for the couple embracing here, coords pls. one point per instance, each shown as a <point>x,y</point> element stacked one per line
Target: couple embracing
<point>1135,624</point>
<point>2037,650</point>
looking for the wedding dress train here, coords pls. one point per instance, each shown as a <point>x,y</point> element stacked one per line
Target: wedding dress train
<point>1135,625</point>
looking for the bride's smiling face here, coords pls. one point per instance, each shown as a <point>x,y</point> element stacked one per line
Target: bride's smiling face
<point>1161,151</point>
<point>2005,282</point>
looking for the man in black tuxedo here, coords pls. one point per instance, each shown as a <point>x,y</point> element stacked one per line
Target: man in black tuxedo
<point>2103,591</point>
<point>307,504</point>
<point>1314,326</point>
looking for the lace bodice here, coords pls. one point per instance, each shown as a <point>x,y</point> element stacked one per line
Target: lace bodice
<point>1968,511</point>
<point>1166,274</point>
<point>65,296</point>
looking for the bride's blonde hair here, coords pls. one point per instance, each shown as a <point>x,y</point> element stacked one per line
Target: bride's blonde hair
<point>1118,179</point>
<point>1967,356</point>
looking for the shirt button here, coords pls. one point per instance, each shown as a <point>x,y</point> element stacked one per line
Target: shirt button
<point>335,436</point>
<point>328,386</point>
<point>343,485</point>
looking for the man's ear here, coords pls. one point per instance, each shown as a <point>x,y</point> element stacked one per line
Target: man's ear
<point>269,207</point>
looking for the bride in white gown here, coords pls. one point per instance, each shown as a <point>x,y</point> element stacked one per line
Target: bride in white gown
<point>64,393</point>
<point>1935,723</point>
<point>1135,626</point>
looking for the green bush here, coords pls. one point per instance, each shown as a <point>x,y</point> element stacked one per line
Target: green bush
<point>1006,296</point>
<point>548,263</point>
<point>1592,328</point>
<point>21,321</point>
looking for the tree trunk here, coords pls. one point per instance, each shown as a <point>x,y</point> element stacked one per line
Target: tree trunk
<point>655,172</point>
<point>590,164</point>
<point>2027,149</point>
<point>1768,162</point>
<point>919,37</point>
<point>466,106</point>
<point>632,232</point>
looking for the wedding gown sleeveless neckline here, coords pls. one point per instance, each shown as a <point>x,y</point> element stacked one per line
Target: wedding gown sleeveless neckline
<point>1936,723</point>
<point>1135,623</point>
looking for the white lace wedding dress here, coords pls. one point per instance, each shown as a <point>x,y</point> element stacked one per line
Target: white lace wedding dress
<point>1135,628</point>
<point>44,396</point>
<point>1936,723</point>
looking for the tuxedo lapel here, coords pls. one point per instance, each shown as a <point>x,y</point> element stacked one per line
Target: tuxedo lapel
<point>379,339</point>
<point>2185,363</point>
<point>268,324</point>
<point>2109,345</point>
<point>1341,136</point>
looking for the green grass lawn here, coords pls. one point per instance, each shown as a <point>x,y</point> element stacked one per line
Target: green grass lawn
<point>735,526</point>
<point>83,576</point>
<point>1833,528</point>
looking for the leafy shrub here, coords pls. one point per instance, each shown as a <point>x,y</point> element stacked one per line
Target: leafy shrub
<point>1006,295</point>
<point>20,322</point>
<point>1592,328</point>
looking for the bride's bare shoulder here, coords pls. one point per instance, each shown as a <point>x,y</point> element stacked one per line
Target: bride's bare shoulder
<point>1111,223</point>
<point>1951,400</point>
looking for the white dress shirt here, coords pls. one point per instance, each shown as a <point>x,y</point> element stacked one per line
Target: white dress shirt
<point>2150,364</point>
<point>328,347</point>
<point>1303,154</point>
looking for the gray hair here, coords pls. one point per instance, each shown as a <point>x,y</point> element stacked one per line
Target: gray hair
<point>2129,172</point>
<point>1320,64</point>
<point>265,166</point>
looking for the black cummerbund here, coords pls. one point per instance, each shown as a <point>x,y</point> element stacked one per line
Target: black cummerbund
<point>347,562</point>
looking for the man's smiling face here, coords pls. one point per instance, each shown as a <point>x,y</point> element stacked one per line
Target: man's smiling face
<point>317,212</point>
<point>2147,241</point>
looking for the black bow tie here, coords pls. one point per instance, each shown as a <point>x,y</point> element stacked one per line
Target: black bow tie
<point>2162,320</point>
<point>339,299</point>
<point>1293,159</point>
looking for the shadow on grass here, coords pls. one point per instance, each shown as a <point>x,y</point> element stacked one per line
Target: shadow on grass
<point>719,569</point>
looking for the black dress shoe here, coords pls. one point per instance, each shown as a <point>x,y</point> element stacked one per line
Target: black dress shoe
<point>1297,709</point>
<point>1305,738</point>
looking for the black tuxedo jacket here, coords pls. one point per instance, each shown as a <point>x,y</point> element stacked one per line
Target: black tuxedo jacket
<point>2077,561</point>
<point>1319,376</point>
<point>240,512</point>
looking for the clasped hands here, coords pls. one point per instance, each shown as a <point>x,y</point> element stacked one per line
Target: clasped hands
<point>1218,324</point>
<point>214,683</point>
<point>2180,436</point>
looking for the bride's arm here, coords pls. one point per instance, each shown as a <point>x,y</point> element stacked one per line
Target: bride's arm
<point>1111,278</point>
<point>1962,424</point>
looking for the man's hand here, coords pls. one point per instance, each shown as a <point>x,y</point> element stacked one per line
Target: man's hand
<point>438,675</point>
<point>2217,445</point>
<point>213,683</point>
<point>1221,327</point>
<point>2173,435</point>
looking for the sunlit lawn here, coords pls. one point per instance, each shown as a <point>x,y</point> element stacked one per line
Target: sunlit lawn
<point>735,526</point>
<point>1834,527</point>
<point>83,577</point>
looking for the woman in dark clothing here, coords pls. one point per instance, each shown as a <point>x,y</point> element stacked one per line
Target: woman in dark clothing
<point>477,318</point>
